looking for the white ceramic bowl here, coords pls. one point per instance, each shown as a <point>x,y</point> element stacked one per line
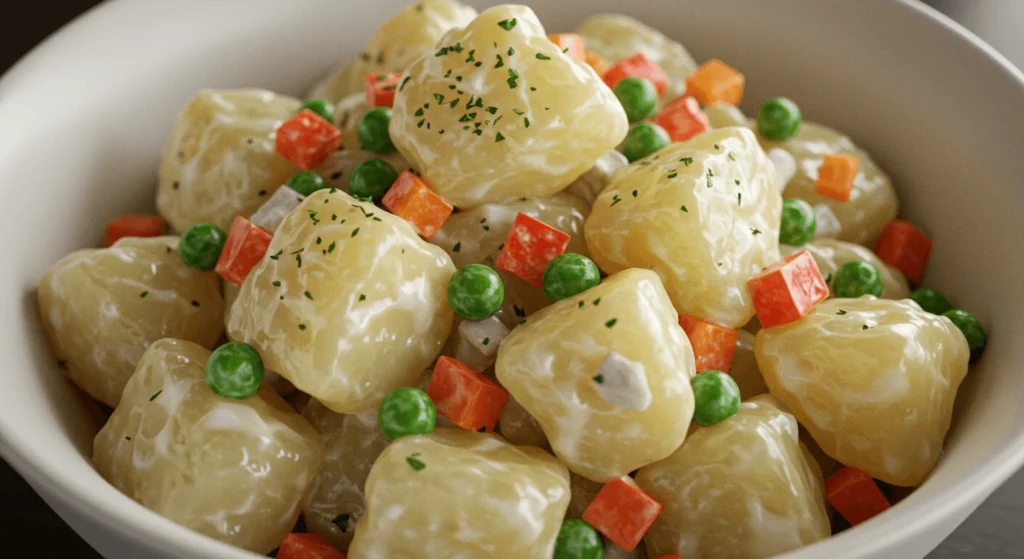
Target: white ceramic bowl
<point>84,116</point>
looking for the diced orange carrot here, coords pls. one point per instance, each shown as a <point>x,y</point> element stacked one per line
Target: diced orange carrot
<point>412,200</point>
<point>716,81</point>
<point>596,61</point>
<point>713,345</point>
<point>465,396</point>
<point>244,248</point>
<point>530,245</point>
<point>622,512</point>
<point>380,88</point>
<point>637,66</point>
<point>133,226</point>
<point>307,139</point>
<point>683,119</point>
<point>855,495</point>
<point>570,43</point>
<point>906,248</point>
<point>787,290</point>
<point>307,546</point>
<point>836,175</point>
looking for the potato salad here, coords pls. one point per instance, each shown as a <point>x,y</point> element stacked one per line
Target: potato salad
<point>500,291</point>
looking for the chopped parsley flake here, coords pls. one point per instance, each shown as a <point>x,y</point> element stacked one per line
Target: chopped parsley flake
<point>599,379</point>
<point>143,294</point>
<point>486,341</point>
<point>611,323</point>
<point>840,312</point>
<point>302,326</point>
<point>128,438</point>
<point>499,138</point>
<point>405,81</point>
<point>308,295</point>
<point>865,327</point>
<point>709,175</point>
<point>355,231</point>
<point>457,247</point>
<point>507,24</point>
<point>439,98</point>
<point>362,297</point>
<point>511,51</point>
<point>686,160</point>
<point>683,208</point>
<point>415,463</point>
<point>330,247</point>
<point>543,56</point>
<point>153,397</point>
<point>276,283</point>
<point>731,158</point>
<point>737,181</point>
<point>635,193</point>
<point>276,256</point>
<point>755,231</point>
<point>501,61</point>
<point>597,301</point>
<point>312,216</point>
<point>580,304</point>
<point>672,175</point>
<point>739,198</point>
<point>615,199</point>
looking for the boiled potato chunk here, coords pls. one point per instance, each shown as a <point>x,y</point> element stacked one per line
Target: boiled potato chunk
<point>235,470</point>
<point>873,202</point>
<point>101,309</point>
<point>550,366</point>
<point>872,380</point>
<point>486,120</point>
<point>457,493</point>
<point>703,214</point>
<point>220,161</point>
<point>742,489</point>
<point>336,170</point>
<point>615,36</point>
<point>348,304</point>
<point>830,254</point>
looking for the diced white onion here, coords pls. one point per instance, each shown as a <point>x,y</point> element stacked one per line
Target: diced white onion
<point>272,212</point>
<point>484,335</point>
<point>827,225</point>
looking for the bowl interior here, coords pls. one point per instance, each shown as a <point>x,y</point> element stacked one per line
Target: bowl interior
<point>84,117</point>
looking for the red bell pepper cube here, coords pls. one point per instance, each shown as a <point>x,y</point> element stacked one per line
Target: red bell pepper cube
<point>307,546</point>
<point>787,290</point>
<point>622,512</point>
<point>716,81</point>
<point>307,139</point>
<point>133,226</point>
<point>906,248</point>
<point>713,345</point>
<point>571,44</point>
<point>412,200</point>
<point>683,119</point>
<point>244,248</point>
<point>836,175</point>
<point>380,88</point>
<point>531,244</point>
<point>855,495</point>
<point>596,61</point>
<point>637,66</point>
<point>465,396</point>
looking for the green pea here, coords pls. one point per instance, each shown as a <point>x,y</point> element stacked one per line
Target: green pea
<point>569,274</point>
<point>643,140</point>
<point>234,370</point>
<point>638,97</point>
<point>475,292</point>
<point>930,300</point>
<point>322,107</point>
<point>969,325</point>
<point>371,179</point>
<point>372,131</point>
<point>406,411</point>
<point>798,222</point>
<point>856,278</point>
<point>578,540</point>
<point>716,397</point>
<point>778,119</point>
<point>200,245</point>
<point>306,182</point>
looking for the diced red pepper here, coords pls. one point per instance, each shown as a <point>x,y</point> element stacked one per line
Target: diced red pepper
<point>380,88</point>
<point>133,226</point>
<point>637,66</point>
<point>244,248</point>
<point>787,290</point>
<point>906,248</point>
<point>713,345</point>
<point>307,546</point>
<point>716,81</point>
<point>465,396</point>
<point>683,119</point>
<point>530,245</point>
<point>596,61</point>
<point>622,512</point>
<point>412,200</point>
<point>855,495</point>
<point>570,43</point>
<point>836,175</point>
<point>307,139</point>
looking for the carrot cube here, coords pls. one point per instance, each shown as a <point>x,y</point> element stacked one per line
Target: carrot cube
<point>716,81</point>
<point>683,119</point>
<point>244,248</point>
<point>622,512</point>
<point>133,226</point>
<point>307,139</point>
<point>906,248</point>
<point>596,61</point>
<point>412,200</point>
<point>787,290</point>
<point>570,43</point>
<point>530,245</point>
<point>836,175</point>
<point>713,345</point>
<point>637,66</point>
<point>855,495</point>
<point>307,546</point>
<point>380,89</point>
<point>465,396</point>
